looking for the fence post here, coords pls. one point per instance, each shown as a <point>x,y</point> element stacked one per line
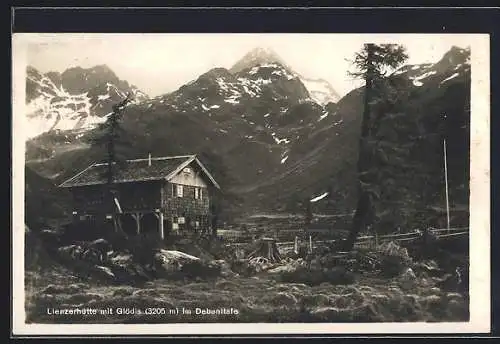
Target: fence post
<point>310,244</point>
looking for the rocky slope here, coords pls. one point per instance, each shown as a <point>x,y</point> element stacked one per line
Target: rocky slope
<point>272,147</point>
<point>76,99</point>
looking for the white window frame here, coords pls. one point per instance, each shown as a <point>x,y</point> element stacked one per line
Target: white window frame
<point>179,191</point>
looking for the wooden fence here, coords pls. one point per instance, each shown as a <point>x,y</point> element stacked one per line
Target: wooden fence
<point>365,241</point>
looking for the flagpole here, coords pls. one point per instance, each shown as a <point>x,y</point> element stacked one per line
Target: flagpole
<point>446,183</point>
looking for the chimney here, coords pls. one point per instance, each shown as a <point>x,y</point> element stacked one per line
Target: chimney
<point>149,159</point>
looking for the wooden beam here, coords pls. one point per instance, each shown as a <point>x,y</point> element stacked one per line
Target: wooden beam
<point>137,217</point>
<point>161,230</point>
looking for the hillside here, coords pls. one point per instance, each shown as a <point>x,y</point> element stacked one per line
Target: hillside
<point>43,200</point>
<point>272,147</point>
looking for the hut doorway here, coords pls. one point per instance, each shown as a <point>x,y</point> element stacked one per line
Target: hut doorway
<point>129,224</point>
<point>149,224</point>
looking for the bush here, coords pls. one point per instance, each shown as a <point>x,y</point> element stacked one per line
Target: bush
<point>391,266</point>
<point>393,259</point>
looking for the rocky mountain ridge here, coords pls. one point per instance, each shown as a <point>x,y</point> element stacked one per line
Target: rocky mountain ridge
<point>77,99</point>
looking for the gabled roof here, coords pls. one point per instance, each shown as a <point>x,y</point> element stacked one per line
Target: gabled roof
<point>137,170</point>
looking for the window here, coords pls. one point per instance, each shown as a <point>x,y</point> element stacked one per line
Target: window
<point>197,193</point>
<point>179,191</point>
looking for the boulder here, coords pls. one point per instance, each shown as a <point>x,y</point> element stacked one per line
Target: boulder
<point>427,269</point>
<point>122,260</point>
<point>100,245</point>
<point>394,249</point>
<point>105,272</point>
<point>260,263</point>
<point>172,261</point>
<point>407,279</point>
<point>408,275</point>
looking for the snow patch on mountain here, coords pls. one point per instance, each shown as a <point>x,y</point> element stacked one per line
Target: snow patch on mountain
<point>321,91</point>
<point>449,78</point>
<point>416,80</point>
<point>325,113</point>
<point>279,140</point>
<point>319,198</point>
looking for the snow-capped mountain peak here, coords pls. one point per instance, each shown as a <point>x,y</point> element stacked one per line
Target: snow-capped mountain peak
<point>257,56</point>
<point>453,64</point>
<point>76,99</point>
<point>320,90</point>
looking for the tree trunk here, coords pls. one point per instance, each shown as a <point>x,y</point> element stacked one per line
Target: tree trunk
<point>266,248</point>
<point>363,205</point>
<point>359,220</point>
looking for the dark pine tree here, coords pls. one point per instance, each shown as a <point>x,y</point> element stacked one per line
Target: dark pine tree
<point>110,135</point>
<point>371,63</point>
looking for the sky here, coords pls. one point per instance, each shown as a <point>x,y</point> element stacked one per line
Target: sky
<point>161,63</point>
